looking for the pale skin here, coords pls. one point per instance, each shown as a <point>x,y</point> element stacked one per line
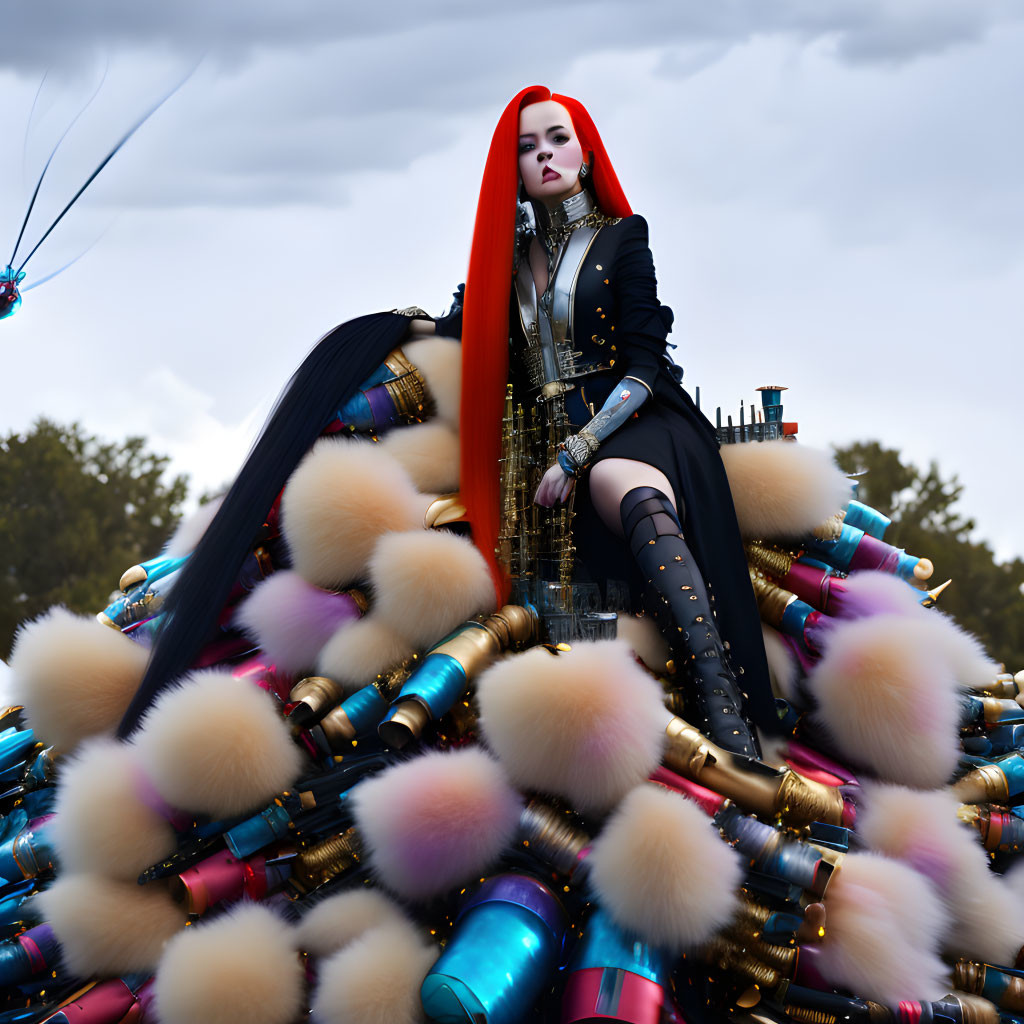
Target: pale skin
<point>548,141</point>
<point>550,158</point>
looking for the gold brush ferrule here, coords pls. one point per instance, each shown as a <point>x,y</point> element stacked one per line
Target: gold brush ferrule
<point>514,625</point>
<point>771,793</point>
<point>688,750</point>
<point>131,578</point>
<point>772,600</point>
<point>408,390</point>
<point>338,730</point>
<point>726,954</point>
<point>327,859</point>
<point>768,559</point>
<point>474,649</point>
<point>984,785</point>
<point>807,1015</point>
<point>1001,685</point>
<point>337,727</point>
<point>449,508</point>
<point>976,1009</point>
<point>552,835</point>
<point>319,694</point>
<point>779,958</point>
<point>11,709</point>
<point>408,719</point>
<point>751,914</point>
<point>971,977</point>
<point>994,709</point>
<point>828,870</point>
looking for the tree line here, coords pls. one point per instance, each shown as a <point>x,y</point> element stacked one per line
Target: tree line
<point>76,511</point>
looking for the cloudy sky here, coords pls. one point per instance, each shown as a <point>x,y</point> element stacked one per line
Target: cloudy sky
<point>834,190</point>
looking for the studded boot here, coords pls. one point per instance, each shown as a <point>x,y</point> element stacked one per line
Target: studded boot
<point>678,599</point>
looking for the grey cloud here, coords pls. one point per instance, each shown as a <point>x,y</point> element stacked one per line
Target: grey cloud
<point>41,33</point>
<point>290,103</point>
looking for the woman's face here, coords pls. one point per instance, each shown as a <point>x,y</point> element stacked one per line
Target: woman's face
<point>550,154</point>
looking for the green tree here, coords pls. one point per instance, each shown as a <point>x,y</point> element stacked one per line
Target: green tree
<point>985,596</point>
<point>75,512</point>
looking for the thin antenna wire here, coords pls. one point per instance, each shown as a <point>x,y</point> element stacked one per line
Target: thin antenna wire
<point>28,124</point>
<point>92,177</point>
<point>35,194</point>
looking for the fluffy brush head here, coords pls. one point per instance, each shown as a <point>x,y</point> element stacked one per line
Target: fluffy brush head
<point>587,725</point>
<point>661,870</point>
<point>888,701</point>
<point>216,745</point>
<point>440,362</point>
<point>242,966</point>
<point>963,653</point>
<point>375,980</point>
<point>881,593</point>
<point>292,619</point>
<point>74,676</point>
<point>429,453</point>
<point>360,651</point>
<point>102,824</point>
<point>922,830</point>
<point>781,489</point>
<point>108,927</point>
<point>334,922</point>
<point>341,498</point>
<point>644,639</point>
<point>426,582</point>
<point>882,928</point>
<point>436,821</point>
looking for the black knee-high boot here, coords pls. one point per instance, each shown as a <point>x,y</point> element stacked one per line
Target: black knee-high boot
<point>681,607</point>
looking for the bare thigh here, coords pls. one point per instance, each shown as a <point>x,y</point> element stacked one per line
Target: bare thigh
<point>612,479</point>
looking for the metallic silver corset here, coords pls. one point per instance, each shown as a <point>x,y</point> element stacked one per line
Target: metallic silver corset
<point>550,360</point>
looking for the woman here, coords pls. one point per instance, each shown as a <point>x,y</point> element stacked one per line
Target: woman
<point>587,334</point>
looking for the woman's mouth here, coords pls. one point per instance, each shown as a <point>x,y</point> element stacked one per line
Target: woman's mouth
<point>550,174</point>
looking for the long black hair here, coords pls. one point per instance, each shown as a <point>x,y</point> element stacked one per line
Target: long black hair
<point>335,368</point>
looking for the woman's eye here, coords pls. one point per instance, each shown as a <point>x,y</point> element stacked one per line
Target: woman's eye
<point>561,139</point>
<point>525,147</point>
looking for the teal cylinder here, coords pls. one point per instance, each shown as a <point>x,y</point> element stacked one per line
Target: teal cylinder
<point>506,945</point>
<point>866,518</point>
<point>365,708</point>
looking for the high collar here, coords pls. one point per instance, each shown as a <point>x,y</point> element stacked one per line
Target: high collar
<point>570,210</point>
<point>555,223</point>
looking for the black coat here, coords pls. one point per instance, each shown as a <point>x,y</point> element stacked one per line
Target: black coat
<point>618,323</point>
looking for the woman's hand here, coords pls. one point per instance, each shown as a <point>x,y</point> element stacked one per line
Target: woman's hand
<point>555,487</point>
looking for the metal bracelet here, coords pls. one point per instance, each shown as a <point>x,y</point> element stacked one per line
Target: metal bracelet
<point>579,450</point>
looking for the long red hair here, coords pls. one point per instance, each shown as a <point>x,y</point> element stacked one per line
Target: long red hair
<point>485,328</point>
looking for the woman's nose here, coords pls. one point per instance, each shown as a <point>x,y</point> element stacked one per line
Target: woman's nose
<point>543,154</point>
